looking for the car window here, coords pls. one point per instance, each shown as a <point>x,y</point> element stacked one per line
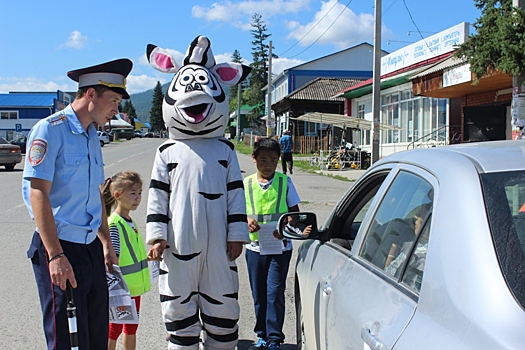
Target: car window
<point>504,195</point>
<point>413,273</point>
<point>348,222</point>
<point>399,219</point>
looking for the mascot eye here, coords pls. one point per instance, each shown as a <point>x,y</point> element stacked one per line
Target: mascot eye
<point>186,78</point>
<point>201,78</point>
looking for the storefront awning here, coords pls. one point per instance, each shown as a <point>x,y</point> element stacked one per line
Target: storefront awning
<point>342,121</point>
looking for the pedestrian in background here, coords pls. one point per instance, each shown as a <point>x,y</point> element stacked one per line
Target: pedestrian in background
<point>62,174</point>
<point>286,143</point>
<point>269,194</point>
<point>125,190</point>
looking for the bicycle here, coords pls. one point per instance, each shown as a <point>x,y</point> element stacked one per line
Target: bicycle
<point>315,161</point>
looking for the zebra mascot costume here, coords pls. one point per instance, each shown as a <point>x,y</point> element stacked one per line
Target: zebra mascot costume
<point>196,201</point>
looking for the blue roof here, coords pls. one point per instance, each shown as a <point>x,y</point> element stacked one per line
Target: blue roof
<point>28,99</point>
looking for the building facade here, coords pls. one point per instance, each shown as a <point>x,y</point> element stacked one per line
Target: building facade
<point>20,111</point>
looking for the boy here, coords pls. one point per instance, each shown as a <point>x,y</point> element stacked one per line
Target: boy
<point>269,194</point>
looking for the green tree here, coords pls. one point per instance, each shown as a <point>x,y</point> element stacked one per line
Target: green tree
<point>259,74</point>
<point>499,42</point>
<point>155,114</point>
<point>130,112</point>
<point>236,57</point>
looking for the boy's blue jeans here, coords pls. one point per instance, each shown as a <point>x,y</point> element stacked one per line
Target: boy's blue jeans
<point>267,274</point>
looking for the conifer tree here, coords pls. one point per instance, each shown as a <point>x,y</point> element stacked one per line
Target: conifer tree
<point>155,114</point>
<point>499,42</point>
<point>259,74</point>
<point>236,57</point>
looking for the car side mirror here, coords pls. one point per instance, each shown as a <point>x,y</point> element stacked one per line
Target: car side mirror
<point>300,225</point>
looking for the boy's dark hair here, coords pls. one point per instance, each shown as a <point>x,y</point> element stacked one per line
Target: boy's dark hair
<point>266,144</point>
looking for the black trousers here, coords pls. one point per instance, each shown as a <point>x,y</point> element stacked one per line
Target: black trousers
<point>287,162</point>
<point>91,295</point>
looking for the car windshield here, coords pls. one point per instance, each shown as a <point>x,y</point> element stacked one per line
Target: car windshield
<point>504,194</point>
<point>3,141</point>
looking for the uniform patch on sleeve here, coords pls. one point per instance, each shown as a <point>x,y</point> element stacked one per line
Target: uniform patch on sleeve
<point>37,151</point>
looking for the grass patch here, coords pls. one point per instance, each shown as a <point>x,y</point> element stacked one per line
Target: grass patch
<point>242,148</point>
<point>304,165</point>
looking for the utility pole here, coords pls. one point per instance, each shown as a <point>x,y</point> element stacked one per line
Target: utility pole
<point>518,89</point>
<point>376,85</point>
<point>269,103</point>
<point>238,132</point>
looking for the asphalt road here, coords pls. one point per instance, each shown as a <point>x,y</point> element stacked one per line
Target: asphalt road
<point>20,314</point>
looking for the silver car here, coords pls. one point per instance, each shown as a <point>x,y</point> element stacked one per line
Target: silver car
<point>425,251</point>
<point>10,154</point>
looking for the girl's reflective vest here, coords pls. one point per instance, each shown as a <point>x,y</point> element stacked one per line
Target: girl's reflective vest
<point>268,205</point>
<point>132,260</point>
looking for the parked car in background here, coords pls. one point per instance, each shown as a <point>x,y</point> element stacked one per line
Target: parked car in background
<point>139,133</point>
<point>123,133</point>
<point>425,251</point>
<point>10,155</point>
<point>148,134</point>
<point>108,134</point>
<point>103,138</point>
<point>21,142</point>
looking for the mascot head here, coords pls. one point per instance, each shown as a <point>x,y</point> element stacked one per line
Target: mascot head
<point>195,105</point>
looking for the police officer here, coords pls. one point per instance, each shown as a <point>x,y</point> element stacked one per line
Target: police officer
<point>62,173</point>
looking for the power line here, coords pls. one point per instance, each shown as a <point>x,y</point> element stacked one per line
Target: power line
<point>315,25</point>
<point>370,26</point>
<point>415,25</point>
<point>330,26</point>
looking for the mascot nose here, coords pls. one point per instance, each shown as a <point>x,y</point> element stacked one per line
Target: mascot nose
<point>193,87</point>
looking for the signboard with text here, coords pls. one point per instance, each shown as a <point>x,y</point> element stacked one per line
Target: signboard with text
<point>456,75</point>
<point>423,50</point>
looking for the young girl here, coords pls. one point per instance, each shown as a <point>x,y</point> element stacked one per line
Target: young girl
<point>125,190</point>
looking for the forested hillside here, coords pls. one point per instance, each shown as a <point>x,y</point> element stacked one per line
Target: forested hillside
<point>142,102</point>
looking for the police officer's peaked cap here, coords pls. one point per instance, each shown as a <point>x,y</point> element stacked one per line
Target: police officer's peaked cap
<point>110,74</point>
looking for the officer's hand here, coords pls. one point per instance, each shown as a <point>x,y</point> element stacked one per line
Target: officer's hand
<point>60,271</point>
<point>234,249</point>
<point>110,258</point>
<point>156,250</point>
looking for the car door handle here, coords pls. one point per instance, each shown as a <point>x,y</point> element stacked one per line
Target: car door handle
<point>371,340</point>
<point>327,288</point>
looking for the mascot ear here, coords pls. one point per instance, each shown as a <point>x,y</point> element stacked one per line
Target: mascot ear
<point>230,73</point>
<point>161,59</point>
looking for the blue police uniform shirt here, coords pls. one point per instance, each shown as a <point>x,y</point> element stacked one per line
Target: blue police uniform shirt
<point>61,151</point>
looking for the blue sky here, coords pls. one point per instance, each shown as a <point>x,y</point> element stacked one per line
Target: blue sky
<point>41,40</point>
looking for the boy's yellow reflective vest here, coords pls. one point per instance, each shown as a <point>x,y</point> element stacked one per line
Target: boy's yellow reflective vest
<point>268,205</point>
<point>132,260</point>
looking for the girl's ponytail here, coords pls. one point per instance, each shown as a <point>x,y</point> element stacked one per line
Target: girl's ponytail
<point>109,200</point>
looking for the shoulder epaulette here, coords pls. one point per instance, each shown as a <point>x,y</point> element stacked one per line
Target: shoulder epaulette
<point>57,119</point>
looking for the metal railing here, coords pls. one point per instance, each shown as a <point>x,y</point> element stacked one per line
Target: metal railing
<point>440,137</point>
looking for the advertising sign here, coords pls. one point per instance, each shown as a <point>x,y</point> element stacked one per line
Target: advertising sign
<point>456,75</point>
<point>433,46</point>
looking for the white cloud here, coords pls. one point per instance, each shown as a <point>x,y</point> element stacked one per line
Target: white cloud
<point>143,82</point>
<point>33,84</point>
<point>75,41</point>
<point>338,25</point>
<point>280,64</point>
<point>239,14</point>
